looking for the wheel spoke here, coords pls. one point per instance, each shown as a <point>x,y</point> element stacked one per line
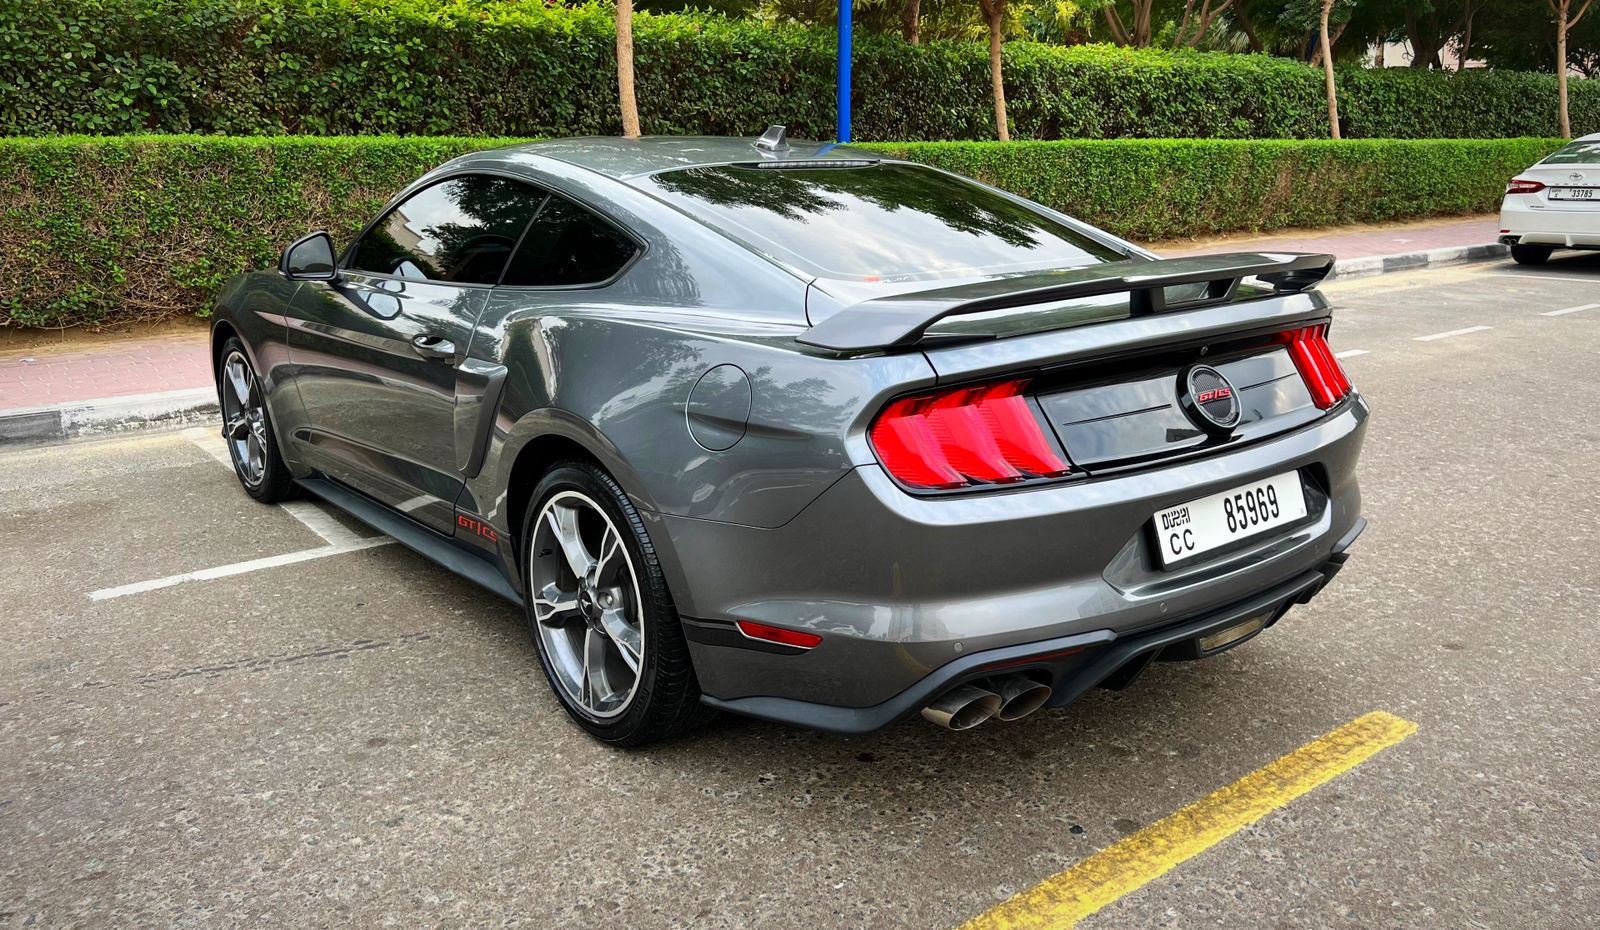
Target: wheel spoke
<point>595,687</point>
<point>253,455</point>
<point>610,544</point>
<point>552,605</point>
<point>625,637</point>
<point>239,380</point>
<point>564,524</point>
<point>236,427</point>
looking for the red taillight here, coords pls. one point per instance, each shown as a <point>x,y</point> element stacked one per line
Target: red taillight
<point>774,634</point>
<point>1324,377</point>
<point>1523,186</point>
<point>964,436</point>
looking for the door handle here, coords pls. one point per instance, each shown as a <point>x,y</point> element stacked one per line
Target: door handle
<point>434,347</point>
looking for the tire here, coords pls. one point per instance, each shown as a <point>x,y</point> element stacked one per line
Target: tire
<point>1531,254</point>
<point>247,428</point>
<point>614,610</point>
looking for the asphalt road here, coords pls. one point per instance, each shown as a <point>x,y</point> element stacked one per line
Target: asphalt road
<point>360,739</point>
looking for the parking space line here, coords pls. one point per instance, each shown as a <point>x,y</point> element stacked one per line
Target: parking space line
<point>312,516</point>
<point>1569,310</point>
<point>238,568</point>
<point>1350,353</point>
<point>1134,861</point>
<point>1453,332</point>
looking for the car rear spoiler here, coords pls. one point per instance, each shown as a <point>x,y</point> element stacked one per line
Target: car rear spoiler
<point>902,319</point>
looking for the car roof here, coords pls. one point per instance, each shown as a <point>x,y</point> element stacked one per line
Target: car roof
<point>629,158</point>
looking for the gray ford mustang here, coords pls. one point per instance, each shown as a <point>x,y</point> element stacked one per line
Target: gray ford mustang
<point>803,432</point>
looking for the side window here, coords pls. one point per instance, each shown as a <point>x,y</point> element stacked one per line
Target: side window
<point>568,245</point>
<point>460,230</point>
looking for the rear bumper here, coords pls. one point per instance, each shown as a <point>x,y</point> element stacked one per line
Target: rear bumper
<point>1521,223</point>
<point>901,587</point>
<point>1073,664</point>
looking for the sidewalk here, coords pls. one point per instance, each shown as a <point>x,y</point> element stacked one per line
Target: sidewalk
<point>1366,249</point>
<point>57,388</point>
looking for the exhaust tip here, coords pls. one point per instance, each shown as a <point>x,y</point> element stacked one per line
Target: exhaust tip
<point>1020,696</point>
<point>962,708</point>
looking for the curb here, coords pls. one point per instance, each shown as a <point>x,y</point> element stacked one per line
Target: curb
<point>58,422</point>
<point>1408,261</point>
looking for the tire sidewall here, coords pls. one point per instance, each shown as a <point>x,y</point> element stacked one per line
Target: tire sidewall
<point>654,602</point>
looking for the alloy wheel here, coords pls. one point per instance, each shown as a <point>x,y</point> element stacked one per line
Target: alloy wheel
<point>244,419</point>
<point>586,604</point>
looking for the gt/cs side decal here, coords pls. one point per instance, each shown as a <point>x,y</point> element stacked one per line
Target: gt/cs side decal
<point>477,527</point>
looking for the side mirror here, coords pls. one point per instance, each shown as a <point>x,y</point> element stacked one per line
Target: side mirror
<point>310,259</point>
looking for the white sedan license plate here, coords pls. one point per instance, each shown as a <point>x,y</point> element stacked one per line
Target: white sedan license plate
<point>1191,529</point>
<point>1574,193</point>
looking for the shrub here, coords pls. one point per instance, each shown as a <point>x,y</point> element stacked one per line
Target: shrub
<point>111,230</point>
<point>522,67</point>
<point>1403,103</point>
<point>1167,188</point>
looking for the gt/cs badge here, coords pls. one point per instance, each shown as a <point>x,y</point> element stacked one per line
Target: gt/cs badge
<point>1211,399</point>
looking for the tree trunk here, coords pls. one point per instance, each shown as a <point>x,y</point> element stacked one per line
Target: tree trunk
<point>911,22</point>
<point>1183,24</point>
<point>994,11</point>
<point>1119,33</point>
<point>1327,71</point>
<point>625,98</point>
<point>1141,23</point>
<point>1561,71</point>
<point>1241,18</point>
<point>1316,57</point>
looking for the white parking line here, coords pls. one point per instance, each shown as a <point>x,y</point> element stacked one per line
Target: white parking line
<point>1350,353</point>
<point>313,517</point>
<point>238,568</point>
<point>1569,310</point>
<point>1453,332</point>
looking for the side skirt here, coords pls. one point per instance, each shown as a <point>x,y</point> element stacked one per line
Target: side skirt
<point>458,557</point>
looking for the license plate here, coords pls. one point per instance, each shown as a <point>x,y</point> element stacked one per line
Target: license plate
<point>1195,528</point>
<point>1573,193</point>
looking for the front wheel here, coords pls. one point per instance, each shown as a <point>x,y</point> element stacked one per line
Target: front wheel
<point>247,428</point>
<point>1530,254</point>
<point>608,636</point>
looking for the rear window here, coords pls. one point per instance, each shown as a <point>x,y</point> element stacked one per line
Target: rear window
<point>884,222</point>
<point>1576,153</point>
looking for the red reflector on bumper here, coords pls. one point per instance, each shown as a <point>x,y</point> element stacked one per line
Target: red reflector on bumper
<point>773,634</point>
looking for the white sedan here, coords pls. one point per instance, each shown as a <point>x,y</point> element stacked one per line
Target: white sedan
<point>1554,204</point>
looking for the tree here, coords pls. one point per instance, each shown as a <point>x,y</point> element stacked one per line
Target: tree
<point>1197,23</point>
<point>1565,20</point>
<point>911,22</point>
<point>1139,35</point>
<point>1327,68</point>
<point>625,97</point>
<point>995,12</point>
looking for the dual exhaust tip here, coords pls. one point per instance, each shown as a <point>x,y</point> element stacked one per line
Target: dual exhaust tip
<point>963,707</point>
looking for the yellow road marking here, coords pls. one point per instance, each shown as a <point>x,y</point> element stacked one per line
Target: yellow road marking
<point>1134,861</point>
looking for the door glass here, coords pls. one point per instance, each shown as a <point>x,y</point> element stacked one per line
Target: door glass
<point>568,245</point>
<point>460,230</point>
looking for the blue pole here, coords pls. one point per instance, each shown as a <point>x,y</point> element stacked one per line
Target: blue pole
<point>844,70</point>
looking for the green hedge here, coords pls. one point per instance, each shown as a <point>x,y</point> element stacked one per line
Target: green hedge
<point>525,68</point>
<point>1147,189</point>
<point>109,230</point>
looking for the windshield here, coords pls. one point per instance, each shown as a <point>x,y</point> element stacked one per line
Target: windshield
<point>883,222</point>
<point>1576,153</point>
